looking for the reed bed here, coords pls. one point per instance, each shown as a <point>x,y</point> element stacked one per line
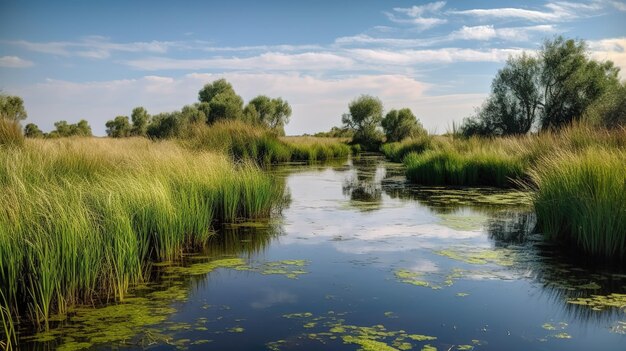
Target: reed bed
<point>81,219</point>
<point>397,151</point>
<point>247,142</point>
<point>580,199</point>
<point>577,175</point>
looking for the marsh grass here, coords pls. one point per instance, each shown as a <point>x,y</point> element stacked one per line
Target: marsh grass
<point>247,142</point>
<point>81,219</point>
<point>397,151</point>
<point>577,175</point>
<point>10,133</point>
<point>580,199</point>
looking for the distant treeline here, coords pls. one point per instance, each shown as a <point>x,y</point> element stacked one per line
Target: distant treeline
<point>217,101</point>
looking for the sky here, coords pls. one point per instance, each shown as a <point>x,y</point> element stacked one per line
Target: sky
<point>94,60</point>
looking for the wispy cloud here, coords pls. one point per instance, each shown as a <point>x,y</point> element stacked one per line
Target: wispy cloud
<point>419,16</point>
<point>96,47</point>
<point>14,62</point>
<point>266,61</point>
<point>444,55</point>
<point>556,12</point>
<point>489,32</point>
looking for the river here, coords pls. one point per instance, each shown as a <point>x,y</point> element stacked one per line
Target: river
<point>358,259</point>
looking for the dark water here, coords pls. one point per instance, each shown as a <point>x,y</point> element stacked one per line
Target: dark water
<point>360,260</point>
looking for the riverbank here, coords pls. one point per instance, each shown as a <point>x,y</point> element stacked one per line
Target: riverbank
<point>577,175</point>
<point>82,218</point>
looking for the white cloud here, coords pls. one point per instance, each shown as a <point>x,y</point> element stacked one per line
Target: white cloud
<point>557,12</point>
<point>317,103</point>
<point>14,62</point>
<point>613,49</point>
<point>444,55</point>
<point>489,32</point>
<point>415,15</point>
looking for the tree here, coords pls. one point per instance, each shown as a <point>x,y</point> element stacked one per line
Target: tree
<point>192,114</point>
<point>82,128</point>
<point>280,117</point>
<point>571,81</point>
<point>12,107</point>
<point>273,113</point>
<point>141,119</point>
<point>225,106</point>
<point>217,87</point>
<point>119,127</point>
<point>401,124</point>
<point>31,130</point>
<point>168,125</point>
<point>610,109</point>
<point>223,102</point>
<point>549,91</point>
<point>64,129</point>
<point>366,113</point>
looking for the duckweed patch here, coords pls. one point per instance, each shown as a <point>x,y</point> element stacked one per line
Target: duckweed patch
<point>288,268</point>
<point>331,328</point>
<point>601,302</point>
<point>433,281</point>
<point>501,257</point>
<point>463,222</point>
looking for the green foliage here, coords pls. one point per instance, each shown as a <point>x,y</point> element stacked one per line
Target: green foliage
<point>168,125</point>
<point>12,108</point>
<point>571,81</point>
<point>336,132</point>
<point>31,130</point>
<point>579,200</point>
<point>609,110</point>
<point>366,113</point>
<point>64,129</point>
<point>397,151</point>
<point>247,142</point>
<point>140,119</point>
<point>223,102</point>
<point>450,167</point>
<point>82,218</point>
<point>514,103</point>
<point>119,127</point>
<point>402,124</point>
<point>272,113</point>
<point>551,90</point>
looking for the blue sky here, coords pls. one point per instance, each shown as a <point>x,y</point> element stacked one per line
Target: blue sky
<point>96,60</point>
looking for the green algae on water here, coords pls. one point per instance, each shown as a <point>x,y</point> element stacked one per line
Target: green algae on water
<point>501,257</point>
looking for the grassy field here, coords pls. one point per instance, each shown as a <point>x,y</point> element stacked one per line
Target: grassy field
<point>578,176</point>
<point>82,218</point>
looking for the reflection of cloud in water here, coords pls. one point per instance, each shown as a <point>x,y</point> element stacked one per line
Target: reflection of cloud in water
<point>424,266</point>
<point>274,297</point>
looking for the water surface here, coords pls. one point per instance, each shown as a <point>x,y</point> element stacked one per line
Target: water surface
<point>361,260</point>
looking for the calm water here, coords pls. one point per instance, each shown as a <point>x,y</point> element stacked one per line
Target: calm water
<point>359,259</point>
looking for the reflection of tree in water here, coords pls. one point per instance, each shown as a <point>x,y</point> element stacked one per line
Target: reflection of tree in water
<point>363,185</point>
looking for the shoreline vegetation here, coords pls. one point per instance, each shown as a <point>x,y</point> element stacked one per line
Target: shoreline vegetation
<point>83,218</point>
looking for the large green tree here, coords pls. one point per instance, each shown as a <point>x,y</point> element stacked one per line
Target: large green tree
<point>401,124</point>
<point>364,117</point>
<point>548,91</point>
<point>571,81</point>
<point>223,102</point>
<point>12,107</point>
